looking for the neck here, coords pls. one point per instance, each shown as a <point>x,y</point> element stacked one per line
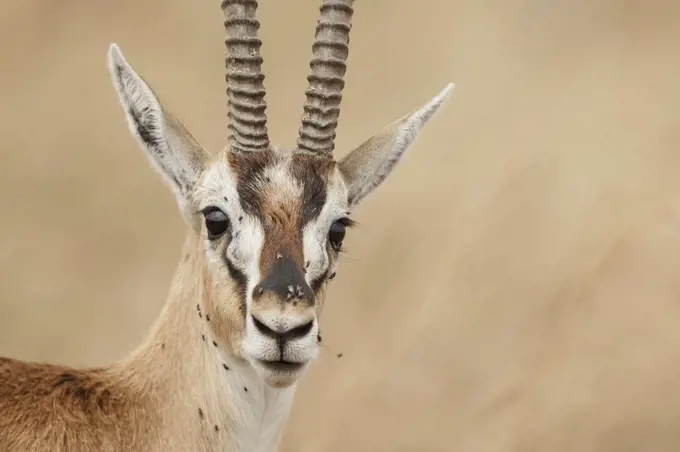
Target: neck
<point>189,367</point>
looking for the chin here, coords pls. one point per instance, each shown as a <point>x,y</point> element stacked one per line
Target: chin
<point>279,375</point>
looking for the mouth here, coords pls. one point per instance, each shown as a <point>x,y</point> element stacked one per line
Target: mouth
<point>281,366</point>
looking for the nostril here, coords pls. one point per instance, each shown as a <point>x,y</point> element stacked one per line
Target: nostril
<point>300,331</point>
<point>262,328</point>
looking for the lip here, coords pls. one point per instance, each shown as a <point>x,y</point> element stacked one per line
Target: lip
<point>281,366</point>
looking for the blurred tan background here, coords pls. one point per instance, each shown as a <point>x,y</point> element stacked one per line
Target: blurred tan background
<point>515,286</point>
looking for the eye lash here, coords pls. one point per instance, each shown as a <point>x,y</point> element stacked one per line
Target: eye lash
<point>347,222</point>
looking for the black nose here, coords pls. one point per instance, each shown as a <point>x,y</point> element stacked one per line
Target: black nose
<point>285,335</point>
<point>286,280</point>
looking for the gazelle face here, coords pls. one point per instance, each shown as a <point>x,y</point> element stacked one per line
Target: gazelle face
<point>273,223</point>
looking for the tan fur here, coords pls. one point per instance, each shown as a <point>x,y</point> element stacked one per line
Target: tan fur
<point>148,401</point>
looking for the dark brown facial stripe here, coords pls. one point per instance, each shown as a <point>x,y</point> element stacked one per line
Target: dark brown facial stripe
<point>249,168</point>
<point>241,282</point>
<point>312,173</point>
<point>318,282</point>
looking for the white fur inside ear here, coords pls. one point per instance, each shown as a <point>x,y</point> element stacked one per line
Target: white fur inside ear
<point>134,94</point>
<point>142,109</point>
<point>170,148</point>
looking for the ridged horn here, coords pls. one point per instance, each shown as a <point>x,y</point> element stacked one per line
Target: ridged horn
<point>328,66</point>
<point>246,106</point>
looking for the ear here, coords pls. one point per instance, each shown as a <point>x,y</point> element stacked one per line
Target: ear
<point>172,150</point>
<point>367,166</point>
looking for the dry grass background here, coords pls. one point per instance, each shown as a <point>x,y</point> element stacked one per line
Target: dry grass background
<point>515,286</point>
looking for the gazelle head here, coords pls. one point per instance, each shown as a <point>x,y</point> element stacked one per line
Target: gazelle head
<point>271,220</point>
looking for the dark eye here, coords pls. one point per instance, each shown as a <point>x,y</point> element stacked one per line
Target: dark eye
<point>216,222</point>
<point>337,233</point>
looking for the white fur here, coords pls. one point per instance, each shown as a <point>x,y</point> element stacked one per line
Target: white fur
<point>258,415</point>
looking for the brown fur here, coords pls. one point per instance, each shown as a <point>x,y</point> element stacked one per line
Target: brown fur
<point>282,235</point>
<point>44,404</point>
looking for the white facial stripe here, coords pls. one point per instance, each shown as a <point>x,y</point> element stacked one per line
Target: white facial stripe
<point>315,233</point>
<point>285,187</point>
<point>244,250</point>
<point>219,188</point>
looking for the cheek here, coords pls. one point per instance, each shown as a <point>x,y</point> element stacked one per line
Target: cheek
<point>243,251</point>
<point>237,259</point>
<point>214,253</point>
<point>237,256</point>
<point>317,259</point>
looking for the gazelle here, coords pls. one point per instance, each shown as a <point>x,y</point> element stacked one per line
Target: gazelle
<point>241,323</point>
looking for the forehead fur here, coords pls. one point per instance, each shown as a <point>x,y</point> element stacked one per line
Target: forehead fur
<point>278,186</point>
<point>285,191</point>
